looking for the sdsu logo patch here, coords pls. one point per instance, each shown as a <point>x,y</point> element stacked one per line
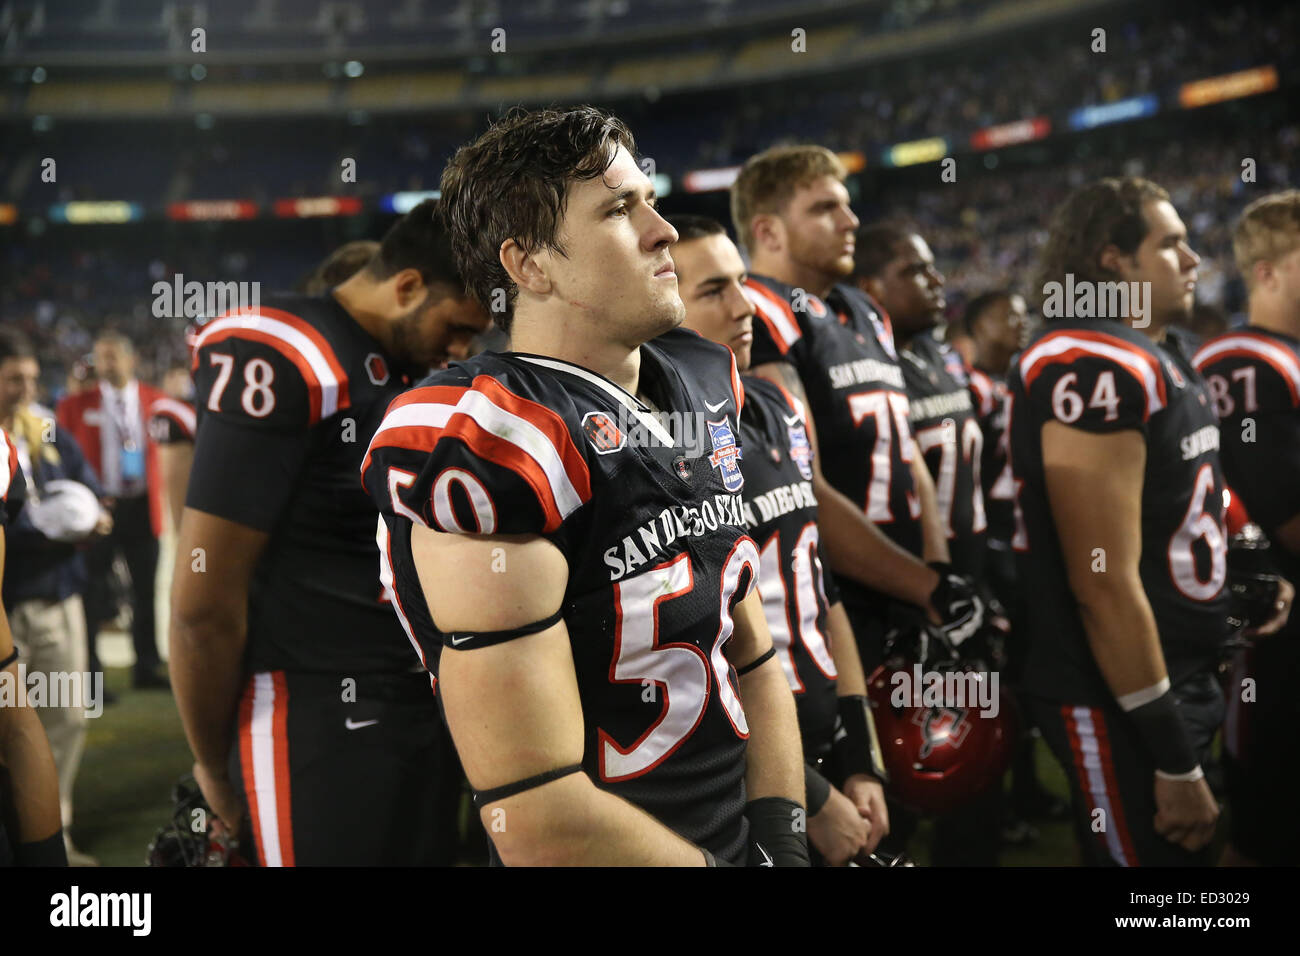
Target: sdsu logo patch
<point>604,435</point>
<point>376,369</point>
<point>800,450</point>
<point>726,454</point>
<point>942,726</point>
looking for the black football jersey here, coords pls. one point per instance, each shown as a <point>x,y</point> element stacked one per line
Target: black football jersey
<point>645,504</point>
<point>1254,380</point>
<point>781,517</point>
<point>948,435</point>
<point>287,401</point>
<point>989,393</point>
<point>1098,375</point>
<point>843,350</point>
<point>172,421</point>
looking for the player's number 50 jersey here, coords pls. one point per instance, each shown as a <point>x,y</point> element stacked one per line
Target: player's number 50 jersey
<point>647,512</point>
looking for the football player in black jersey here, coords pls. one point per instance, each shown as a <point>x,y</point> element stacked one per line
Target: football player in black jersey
<point>565,533</point>
<point>293,676</point>
<point>1254,379</point>
<point>1120,532</point>
<point>810,629</point>
<point>833,349</point>
<point>172,420</point>
<point>31,831</point>
<point>999,327</point>
<point>895,266</point>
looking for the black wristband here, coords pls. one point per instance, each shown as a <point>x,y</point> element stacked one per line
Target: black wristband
<point>1161,729</point>
<point>778,832</point>
<point>853,746</point>
<point>9,660</point>
<point>817,787</point>
<point>47,852</point>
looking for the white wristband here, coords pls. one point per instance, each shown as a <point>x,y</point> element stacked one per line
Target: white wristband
<point>1144,696</point>
<point>1196,773</point>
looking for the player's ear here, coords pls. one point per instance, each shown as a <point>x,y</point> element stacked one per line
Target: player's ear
<point>1264,274</point>
<point>768,231</point>
<point>1112,259</point>
<point>409,287</point>
<point>872,287</point>
<point>525,269</point>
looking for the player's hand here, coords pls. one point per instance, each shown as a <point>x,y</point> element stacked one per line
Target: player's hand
<point>868,795</point>
<point>1186,812</point>
<point>1281,609</point>
<point>839,831</point>
<point>220,795</point>
<point>104,526</point>
<point>956,608</point>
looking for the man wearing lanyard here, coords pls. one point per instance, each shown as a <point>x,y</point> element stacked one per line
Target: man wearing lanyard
<point>109,423</point>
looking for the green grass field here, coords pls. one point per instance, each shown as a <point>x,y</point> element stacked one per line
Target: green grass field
<point>136,751</point>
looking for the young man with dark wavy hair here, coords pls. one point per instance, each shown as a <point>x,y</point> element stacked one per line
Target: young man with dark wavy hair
<point>1120,531</point>
<point>575,571</point>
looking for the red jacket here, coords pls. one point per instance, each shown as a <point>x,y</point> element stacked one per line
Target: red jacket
<point>85,428</point>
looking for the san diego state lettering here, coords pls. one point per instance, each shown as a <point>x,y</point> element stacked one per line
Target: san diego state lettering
<point>654,538</point>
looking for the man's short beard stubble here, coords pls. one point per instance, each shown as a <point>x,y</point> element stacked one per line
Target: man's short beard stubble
<point>405,346</point>
<point>834,268</point>
<point>667,316</point>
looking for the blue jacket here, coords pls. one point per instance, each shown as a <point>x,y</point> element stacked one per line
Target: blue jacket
<point>35,566</point>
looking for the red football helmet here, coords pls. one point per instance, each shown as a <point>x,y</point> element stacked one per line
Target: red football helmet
<point>941,745</point>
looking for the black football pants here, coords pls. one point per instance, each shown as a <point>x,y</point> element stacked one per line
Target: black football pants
<point>1112,776</point>
<point>334,782</point>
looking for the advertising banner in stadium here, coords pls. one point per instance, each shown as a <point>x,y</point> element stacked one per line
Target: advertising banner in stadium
<point>1230,86</point>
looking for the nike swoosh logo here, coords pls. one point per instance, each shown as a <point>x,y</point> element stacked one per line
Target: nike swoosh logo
<point>457,641</point>
<point>767,860</point>
<point>351,724</point>
<point>714,407</point>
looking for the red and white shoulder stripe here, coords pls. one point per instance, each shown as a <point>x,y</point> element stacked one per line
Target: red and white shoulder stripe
<point>8,463</point>
<point>775,313</point>
<point>1252,345</point>
<point>298,341</point>
<point>982,386</point>
<point>182,413</point>
<point>498,426</point>
<point>1067,345</point>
